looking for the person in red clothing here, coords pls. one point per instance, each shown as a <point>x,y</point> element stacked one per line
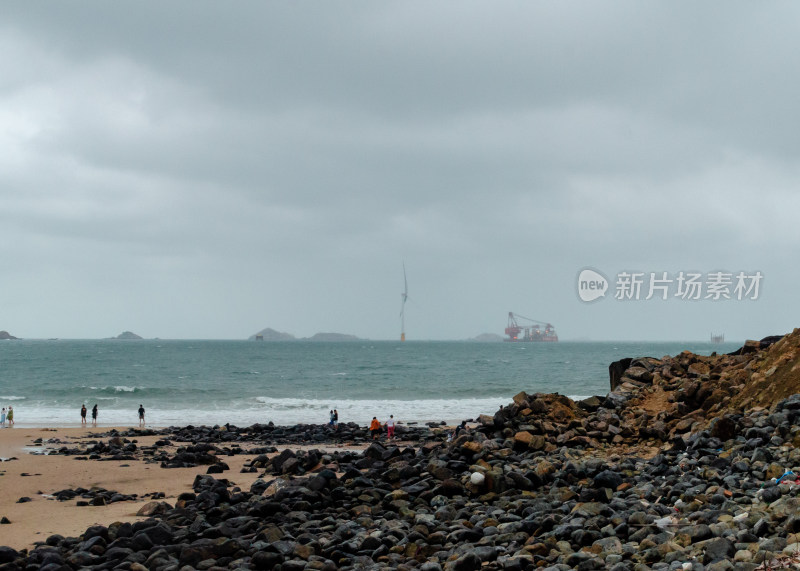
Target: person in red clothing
<point>375,428</point>
<point>390,424</point>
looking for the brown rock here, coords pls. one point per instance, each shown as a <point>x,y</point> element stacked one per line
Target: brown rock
<point>537,442</point>
<point>639,374</point>
<point>153,508</point>
<point>523,437</point>
<point>699,369</point>
<point>473,447</point>
<point>520,398</point>
<point>303,551</point>
<point>360,510</point>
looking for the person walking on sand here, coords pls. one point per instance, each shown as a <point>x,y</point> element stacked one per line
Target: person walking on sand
<point>83,415</point>
<point>10,417</point>
<point>3,418</point>
<point>94,415</point>
<point>141,416</point>
<point>375,427</point>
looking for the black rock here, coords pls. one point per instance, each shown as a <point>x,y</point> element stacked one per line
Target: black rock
<point>7,554</point>
<point>717,549</point>
<point>607,479</point>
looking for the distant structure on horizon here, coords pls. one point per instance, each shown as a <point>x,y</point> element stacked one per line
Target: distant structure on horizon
<point>718,338</point>
<point>404,298</point>
<point>534,330</point>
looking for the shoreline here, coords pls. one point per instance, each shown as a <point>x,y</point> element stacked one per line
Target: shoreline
<point>35,478</point>
<point>450,411</point>
<point>157,427</point>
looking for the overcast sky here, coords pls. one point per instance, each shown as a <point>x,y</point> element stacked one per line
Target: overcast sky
<point>205,170</point>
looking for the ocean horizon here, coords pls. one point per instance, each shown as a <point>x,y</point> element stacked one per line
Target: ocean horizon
<point>242,382</point>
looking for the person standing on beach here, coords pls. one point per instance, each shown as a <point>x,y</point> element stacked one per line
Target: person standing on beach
<point>330,418</point>
<point>375,427</point>
<point>10,417</point>
<point>94,415</point>
<point>390,427</point>
<point>83,414</point>
<point>141,415</point>
<point>335,419</point>
<point>3,418</point>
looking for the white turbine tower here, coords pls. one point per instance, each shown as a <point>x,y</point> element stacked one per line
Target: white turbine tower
<point>404,298</point>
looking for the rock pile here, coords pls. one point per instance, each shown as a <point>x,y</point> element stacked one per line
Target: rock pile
<point>96,496</point>
<point>204,445</point>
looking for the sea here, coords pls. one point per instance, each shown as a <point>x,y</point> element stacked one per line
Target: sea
<point>210,383</point>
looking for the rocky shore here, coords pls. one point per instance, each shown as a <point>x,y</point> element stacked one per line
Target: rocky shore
<point>689,462</point>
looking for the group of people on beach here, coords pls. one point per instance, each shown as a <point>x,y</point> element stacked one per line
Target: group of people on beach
<point>94,415</point>
<point>375,427</point>
<point>83,415</point>
<point>7,417</point>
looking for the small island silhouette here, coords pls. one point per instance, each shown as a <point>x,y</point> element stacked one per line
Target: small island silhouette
<point>270,334</point>
<point>127,335</point>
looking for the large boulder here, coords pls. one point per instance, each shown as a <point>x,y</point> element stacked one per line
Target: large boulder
<point>616,370</point>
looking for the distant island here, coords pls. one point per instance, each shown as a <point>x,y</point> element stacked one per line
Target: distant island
<point>333,337</point>
<point>127,335</point>
<point>487,338</point>
<point>270,334</point>
<point>5,335</point>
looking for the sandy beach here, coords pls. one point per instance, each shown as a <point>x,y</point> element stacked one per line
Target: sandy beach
<point>37,476</point>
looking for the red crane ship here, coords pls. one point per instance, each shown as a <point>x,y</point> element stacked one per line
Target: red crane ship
<point>523,329</point>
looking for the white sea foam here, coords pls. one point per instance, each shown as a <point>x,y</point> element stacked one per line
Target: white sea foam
<point>292,411</point>
<point>11,397</point>
<point>116,388</point>
<point>279,411</point>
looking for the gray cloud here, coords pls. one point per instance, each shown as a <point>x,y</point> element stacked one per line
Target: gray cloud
<point>199,170</point>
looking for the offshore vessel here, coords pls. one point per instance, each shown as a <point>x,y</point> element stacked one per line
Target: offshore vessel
<point>523,329</point>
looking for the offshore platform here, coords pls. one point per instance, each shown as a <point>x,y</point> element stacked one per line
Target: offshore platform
<point>523,329</point>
